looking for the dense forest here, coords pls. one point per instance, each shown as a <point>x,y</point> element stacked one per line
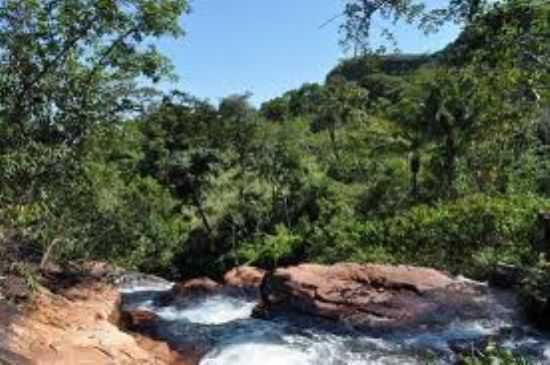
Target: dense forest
<point>438,160</point>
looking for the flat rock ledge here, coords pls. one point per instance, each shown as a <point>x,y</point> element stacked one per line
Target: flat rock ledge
<point>79,325</point>
<point>366,296</point>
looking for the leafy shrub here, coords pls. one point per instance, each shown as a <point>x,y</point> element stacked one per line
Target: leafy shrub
<point>451,235</point>
<point>468,235</point>
<point>270,249</point>
<point>493,355</point>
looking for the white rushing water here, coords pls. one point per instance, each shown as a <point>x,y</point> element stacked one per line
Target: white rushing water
<point>256,353</point>
<point>215,309</point>
<point>234,338</point>
<point>146,288</point>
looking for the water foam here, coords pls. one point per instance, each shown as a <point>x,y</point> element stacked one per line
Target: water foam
<point>158,287</point>
<point>257,354</point>
<point>216,309</point>
<point>234,338</point>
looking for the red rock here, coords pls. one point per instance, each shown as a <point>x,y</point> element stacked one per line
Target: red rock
<point>56,329</point>
<point>244,277</point>
<point>199,286</point>
<point>166,355</point>
<point>138,320</point>
<point>196,286</point>
<point>361,295</point>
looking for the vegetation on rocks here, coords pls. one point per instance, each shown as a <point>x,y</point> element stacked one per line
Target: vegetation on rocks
<point>492,355</point>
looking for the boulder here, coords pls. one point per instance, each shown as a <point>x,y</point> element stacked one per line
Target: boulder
<point>189,288</point>
<point>197,286</point>
<point>244,277</point>
<point>371,296</point>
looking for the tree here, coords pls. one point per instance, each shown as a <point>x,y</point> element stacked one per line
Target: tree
<point>240,126</point>
<point>305,100</point>
<point>178,151</point>
<point>342,103</point>
<point>359,14</point>
<point>277,109</point>
<point>67,66</point>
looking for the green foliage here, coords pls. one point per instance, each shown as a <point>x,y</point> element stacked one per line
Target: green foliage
<point>356,29</point>
<point>357,68</point>
<point>469,235</point>
<point>493,355</point>
<point>68,65</point>
<point>270,249</point>
<point>438,160</point>
<point>68,69</point>
<point>456,235</point>
<point>304,101</point>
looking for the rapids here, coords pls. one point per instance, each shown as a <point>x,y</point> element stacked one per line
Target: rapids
<point>223,324</point>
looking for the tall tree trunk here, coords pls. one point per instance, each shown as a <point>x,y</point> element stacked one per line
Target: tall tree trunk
<point>415,169</point>
<point>202,214</point>
<point>204,219</point>
<point>450,162</point>
<point>332,135</point>
<point>287,215</point>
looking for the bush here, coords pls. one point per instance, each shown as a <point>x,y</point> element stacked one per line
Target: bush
<point>495,356</point>
<point>462,236</point>
<point>467,236</point>
<point>270,249</point>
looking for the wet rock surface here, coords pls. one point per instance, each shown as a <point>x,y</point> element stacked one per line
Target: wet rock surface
<point>139,320</point>
<point>367,296</point>
<point>196,286</point>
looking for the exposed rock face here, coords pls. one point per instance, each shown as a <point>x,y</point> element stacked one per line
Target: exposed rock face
<point>371,296</point>
<point>76,327</point>
<point>147,323</point>
<point>244,277</point>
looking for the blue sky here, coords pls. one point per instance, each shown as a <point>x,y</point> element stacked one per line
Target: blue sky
<point>266,46</point>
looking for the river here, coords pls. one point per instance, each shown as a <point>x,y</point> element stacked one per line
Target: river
<point>223,323</point>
